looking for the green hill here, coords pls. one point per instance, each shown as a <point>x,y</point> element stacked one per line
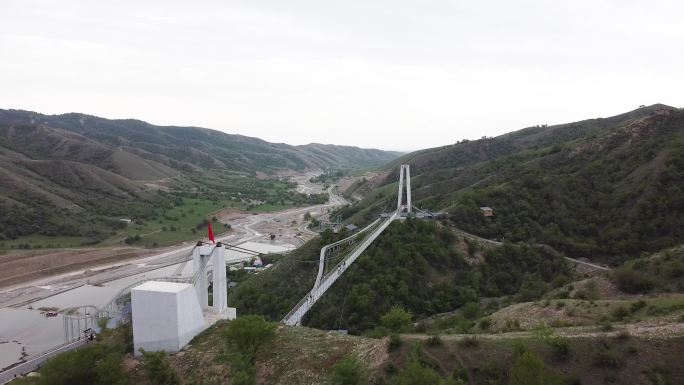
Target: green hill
<point>600,189</point>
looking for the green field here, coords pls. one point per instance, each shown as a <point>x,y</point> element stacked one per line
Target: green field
<point>269,207</point>
<point>180,223</point>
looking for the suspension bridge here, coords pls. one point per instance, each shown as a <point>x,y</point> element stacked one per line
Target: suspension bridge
<point>360,242</point>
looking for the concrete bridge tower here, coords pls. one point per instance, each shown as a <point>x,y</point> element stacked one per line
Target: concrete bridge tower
<point>214,256</point>
<point>404,170</point>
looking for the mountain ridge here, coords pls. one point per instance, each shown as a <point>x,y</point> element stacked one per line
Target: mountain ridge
<point>191,147</point>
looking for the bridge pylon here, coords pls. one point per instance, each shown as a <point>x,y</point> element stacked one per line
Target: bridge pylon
<point>401,208</point>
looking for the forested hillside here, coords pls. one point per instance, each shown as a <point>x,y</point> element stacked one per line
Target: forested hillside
<point>602,189</point>
<point>415,264</point>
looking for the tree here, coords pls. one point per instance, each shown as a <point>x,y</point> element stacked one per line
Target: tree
<point>349,371</point>
<point>102,323</point>
<point>397,320</point>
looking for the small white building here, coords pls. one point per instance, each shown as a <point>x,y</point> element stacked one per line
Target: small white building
<point>166,316</point>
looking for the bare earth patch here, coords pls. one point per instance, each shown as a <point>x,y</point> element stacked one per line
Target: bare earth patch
<point>23,266</point>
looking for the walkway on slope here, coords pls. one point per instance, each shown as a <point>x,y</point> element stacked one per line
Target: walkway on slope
<point>497,243</point>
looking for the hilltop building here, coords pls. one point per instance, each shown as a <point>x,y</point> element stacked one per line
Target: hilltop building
<point>487,211</point>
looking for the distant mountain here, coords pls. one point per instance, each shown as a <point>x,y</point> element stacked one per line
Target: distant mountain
<point>52,166</point>
<point>180,148</point>
<point>596,188</point>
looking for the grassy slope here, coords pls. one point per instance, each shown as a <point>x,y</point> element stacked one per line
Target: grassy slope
<point>307,356</point>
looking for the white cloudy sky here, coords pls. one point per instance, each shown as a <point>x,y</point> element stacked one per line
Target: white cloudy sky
<point>391,74</point>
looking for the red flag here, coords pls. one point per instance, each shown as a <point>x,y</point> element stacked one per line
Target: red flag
<point>211,233</point>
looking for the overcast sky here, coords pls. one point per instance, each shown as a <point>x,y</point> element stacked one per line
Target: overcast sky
<point>392,74</point>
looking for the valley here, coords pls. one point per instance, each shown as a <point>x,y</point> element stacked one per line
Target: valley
<point>550,254</point>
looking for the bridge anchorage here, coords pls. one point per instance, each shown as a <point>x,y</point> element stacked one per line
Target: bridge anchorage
<point>361,241</point>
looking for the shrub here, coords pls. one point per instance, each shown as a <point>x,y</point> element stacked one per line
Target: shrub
<point>589,291</point>
<point>471,310</point>
<point>605,357</point>
<point>632,281</point>
<point>94,364</point>
<point>158,369</point>
<point>519,347</point>
<point>247,334</point>
<point>606,327</point>
<point>485,323</point>
<point>636,306</point>
<point>242,371</point>
<point>560,347</point>
<point>397,320</point>
<point>530,370</point>
<point>435,340</point>
<point>416,374</point>
<point>470,342</point>
<point>512,325</point>
<point>349,371</point>
<point>395,342</point>
<point>623,335</point>
<point>619,313</point>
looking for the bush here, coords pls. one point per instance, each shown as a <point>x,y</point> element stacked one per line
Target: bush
<point>619,313</point>
<point>632,281</point>
<point>434,341</point>
<point>604,357</point>
<point>416,374</point>
<point>470,342</point>
<point>471,310</point>
<point>247,334</point>
<point>395,343</point>
<point>623,335</point>
<point>636,306</point>
<point>242,371</point>
<point>560,347</point>
<point>158,369</point>
<point>520,347</point>
<point>485,323</point>
<point>132,239</point>
<point>94,364</point>
<point>530,370</point>
<point>349,371</point>
<point>606,327</point>
<point>397,320</point>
